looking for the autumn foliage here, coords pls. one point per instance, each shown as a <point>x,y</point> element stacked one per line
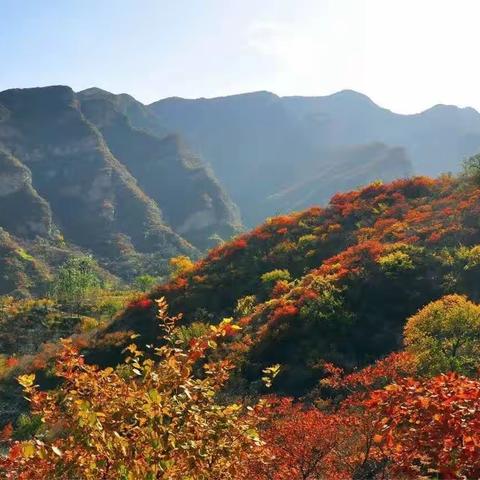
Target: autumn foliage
<point>154,417</point>
<point>149,418</point>
<point>365,312</point>
<point>430,428</point>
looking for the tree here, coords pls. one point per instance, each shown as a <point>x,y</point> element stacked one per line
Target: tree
<point>147,419</point>
<point>274,276</point>
<point>301,442</point>
<point>144,282</point>
<point>445,336</point>
<point>76,281</point>
<point>471,168</point>
<point>179,265</point>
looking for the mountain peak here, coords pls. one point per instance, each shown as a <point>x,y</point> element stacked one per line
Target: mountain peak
<point>37,98</point>
<point>442,108</point>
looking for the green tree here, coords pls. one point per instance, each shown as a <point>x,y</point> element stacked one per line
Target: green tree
<point>445,336</point>
<point>471,168</point>
<point>144,282</point>
<point>76,282</point>
<point>270,278</point>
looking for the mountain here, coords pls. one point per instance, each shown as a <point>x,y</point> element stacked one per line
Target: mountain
<point>331,284</point>
<point>60,180</point>
<point>436,140</point>
<point>192,201</point>
<point>346,168</point>
<point>134,185</point>
<point>139,115</point>
<point>260,145</point>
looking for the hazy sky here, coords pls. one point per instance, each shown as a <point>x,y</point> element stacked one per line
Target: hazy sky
<point>407,55</point>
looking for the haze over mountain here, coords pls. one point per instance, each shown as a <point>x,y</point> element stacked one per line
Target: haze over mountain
<point>273,144</point>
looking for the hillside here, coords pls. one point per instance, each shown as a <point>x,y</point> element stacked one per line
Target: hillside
<point>62,184</point>
<point>347,168</point>
<point>351,328</point>
<point>334,283</point>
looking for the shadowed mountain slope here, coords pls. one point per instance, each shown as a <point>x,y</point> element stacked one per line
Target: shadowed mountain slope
<point>58,175</point>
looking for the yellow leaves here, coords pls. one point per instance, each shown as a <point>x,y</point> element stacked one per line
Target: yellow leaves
<point>28,450</point>
<point>252,433</point>
<point>154,395</point>
<point>133,349</point>
<point>392,387</point>
<point>166,420</point>
<point>232,409</point>
<point>172,362</point>
<point>225,328</point>
<point>269,374</point>
<point>27,380</point>
<point>180,265</point>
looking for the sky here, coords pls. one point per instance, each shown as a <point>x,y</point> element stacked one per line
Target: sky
<point>407,55</point>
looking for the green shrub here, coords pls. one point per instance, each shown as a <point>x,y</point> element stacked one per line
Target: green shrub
<point>274,276</point>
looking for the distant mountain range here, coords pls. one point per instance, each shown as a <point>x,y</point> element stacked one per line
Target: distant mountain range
<point>274,144</point>
<point>135,184</point>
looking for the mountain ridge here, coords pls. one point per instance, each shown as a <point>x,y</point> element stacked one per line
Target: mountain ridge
<point>62,160</point>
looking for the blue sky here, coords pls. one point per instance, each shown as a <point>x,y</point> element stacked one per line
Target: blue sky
<point>405,54</point>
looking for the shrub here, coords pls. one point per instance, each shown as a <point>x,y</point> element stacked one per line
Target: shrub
<point>445,336</point>
<point>146,419</point>
<point>274,276</point>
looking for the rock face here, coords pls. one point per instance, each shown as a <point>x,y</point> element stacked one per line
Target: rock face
<point>60,174</point>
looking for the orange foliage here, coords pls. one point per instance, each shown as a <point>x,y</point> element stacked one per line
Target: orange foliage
<point>300,444</point>
<point>430,426</point>
<point>352,260</point>
<point>281,311</point>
